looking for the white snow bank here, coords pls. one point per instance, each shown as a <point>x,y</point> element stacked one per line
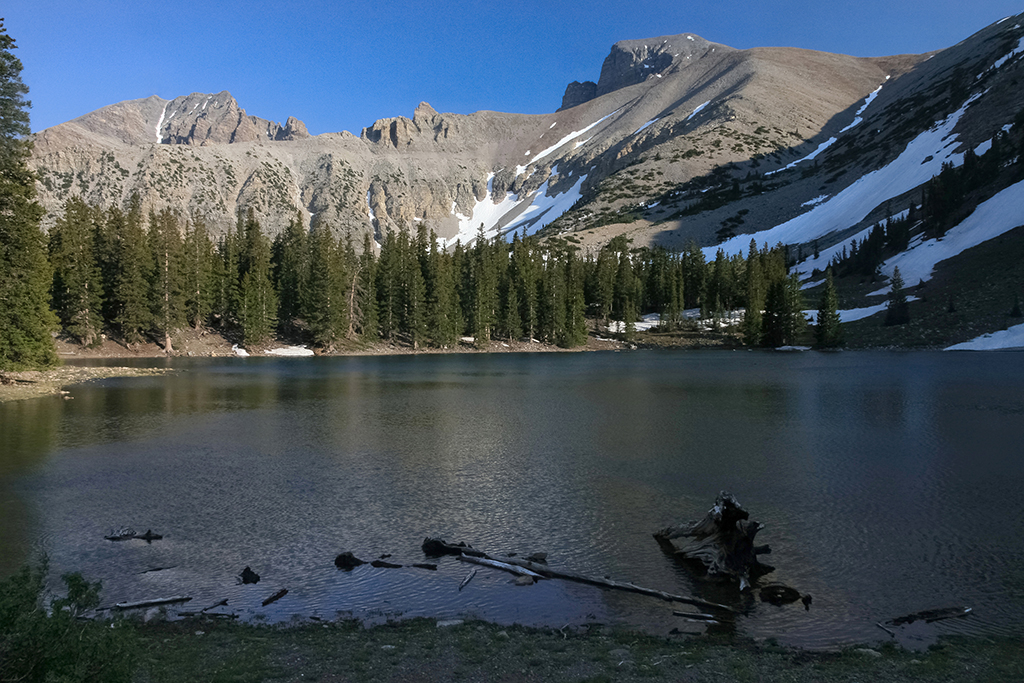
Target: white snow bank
<point>485,212</point>
<point>821,148</point>
<point>867,102</point>
<point>290,351</point>
<point>998,215</point>
<point>239,351</point>
<point>1010,338</point>
<point>1005,58</point>
<point>698,110</point>
<point>544,209</point>
<point>568,138</point>
<point>652,121</point>
<point>922,159</point>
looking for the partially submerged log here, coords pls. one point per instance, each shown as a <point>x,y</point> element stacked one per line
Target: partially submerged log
<point>550,573</point>
<point>153,602</point>
<point>276,596</point>
<point>382,564</point>
<point>930,615</point>
<point>723,541</point>
<point>126,533</point>
<point>504,566</point>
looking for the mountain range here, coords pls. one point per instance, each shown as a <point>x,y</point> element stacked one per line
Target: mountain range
<point>680,140</point>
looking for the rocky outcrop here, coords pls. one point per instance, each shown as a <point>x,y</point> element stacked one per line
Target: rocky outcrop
<point>577,93</point>
<point>634,61</point>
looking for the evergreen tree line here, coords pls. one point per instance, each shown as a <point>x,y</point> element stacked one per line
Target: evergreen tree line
<point>149,276</point>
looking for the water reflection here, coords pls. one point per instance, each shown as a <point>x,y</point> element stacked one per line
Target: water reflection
<point>875,473</point>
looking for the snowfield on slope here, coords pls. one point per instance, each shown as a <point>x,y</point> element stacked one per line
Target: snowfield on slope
<point>922,159</point>
<point>992,218</point>
<point>1010,338</point>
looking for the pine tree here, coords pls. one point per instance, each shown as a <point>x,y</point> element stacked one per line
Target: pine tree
<point>198,273</point>
<point>167,295</point>
<point>575,303</point>
<point>828,333</point>
<point>77,288</point>
<point>291,272</point>
<point>129,267</point>
<point>897,310</point>
<point>26,320</point>
<point>368,322</point>
<point>752,327</point>
<point>784,319</point>
<point>326,309</point>
<point>443,311</point>
<point>257,312</point>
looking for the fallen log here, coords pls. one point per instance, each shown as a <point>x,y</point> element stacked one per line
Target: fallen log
<point>930,615</point>
<point>467,580</point>
<point>276,596</point>
<point>382,564</point>
<point>723,541</point>
<point>153,602</point>
<point>550,573</point>
<point>505,566</point>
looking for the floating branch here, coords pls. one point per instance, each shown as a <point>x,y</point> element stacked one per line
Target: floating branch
<point>151,603</point>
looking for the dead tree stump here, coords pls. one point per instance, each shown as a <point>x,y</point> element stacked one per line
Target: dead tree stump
<point>723,542</point>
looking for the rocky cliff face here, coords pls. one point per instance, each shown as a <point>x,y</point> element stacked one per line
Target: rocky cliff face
<point>665,113</point>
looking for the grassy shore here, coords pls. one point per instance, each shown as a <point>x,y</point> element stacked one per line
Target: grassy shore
<point>421,650</point>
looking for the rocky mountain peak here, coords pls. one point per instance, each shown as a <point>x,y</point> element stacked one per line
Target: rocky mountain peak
<point>201,119</point>
<point>634,61</point>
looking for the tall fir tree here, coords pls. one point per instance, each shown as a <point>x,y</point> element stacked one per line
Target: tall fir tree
<point>828,333</point>
<point>443,310</point>
<point>167,294</point>
<point>752,327</point>
<point>326,300</point>
<point>77,281</point>
<point>197,270</point>
<point>257,311</point>
<point>369,326</point>
<point>26,321</point>
<point>129,267</point>
<point>897,310</point>
<point>291,273</point>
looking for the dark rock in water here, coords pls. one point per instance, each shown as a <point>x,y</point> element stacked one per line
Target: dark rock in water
<point>249,576</point>
<point>436,547</point>
<point>385,556</point>
<point>149,536</point>
<point>424,565</point>
<point>524,581</point>
<point>347,561</point>
<point>538,557</point>
<point>781,594</point>
<point>381,564</point>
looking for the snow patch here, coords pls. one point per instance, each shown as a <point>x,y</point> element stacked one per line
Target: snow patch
<point>1010,338</point>
<point>544,209</point>
<point>855,202</point>
<point>369,209</point>
<point>992,218</point>
<point>239,351</point>
<point>1005,58</point>
<point>867,101</point>
<point>568,138</point>
<point>817,200</point>
<point>290,351</point>
<point>821,148</point>
<point>698,110</point>
<point>645,125</point>
<point>160,123</point>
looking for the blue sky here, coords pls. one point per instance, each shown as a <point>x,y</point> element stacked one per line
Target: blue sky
<point>340,65</point>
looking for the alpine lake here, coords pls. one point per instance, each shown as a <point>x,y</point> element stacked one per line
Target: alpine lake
<point>889,483</point>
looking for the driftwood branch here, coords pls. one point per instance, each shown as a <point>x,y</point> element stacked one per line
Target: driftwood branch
<point>276,596</point>
<point>466,580</point>
<point>550,573</point>
<point>153,602</point>
<point>505,566</point>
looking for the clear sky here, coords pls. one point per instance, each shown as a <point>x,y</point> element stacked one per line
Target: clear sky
<point>343,65</point>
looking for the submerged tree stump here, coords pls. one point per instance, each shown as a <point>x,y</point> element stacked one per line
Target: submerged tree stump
<point>723,542</point>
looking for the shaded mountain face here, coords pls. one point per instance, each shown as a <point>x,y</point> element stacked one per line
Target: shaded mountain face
<point>671,121</point>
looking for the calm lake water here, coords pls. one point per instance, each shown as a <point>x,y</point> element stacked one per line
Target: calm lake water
<point>889,483</point>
